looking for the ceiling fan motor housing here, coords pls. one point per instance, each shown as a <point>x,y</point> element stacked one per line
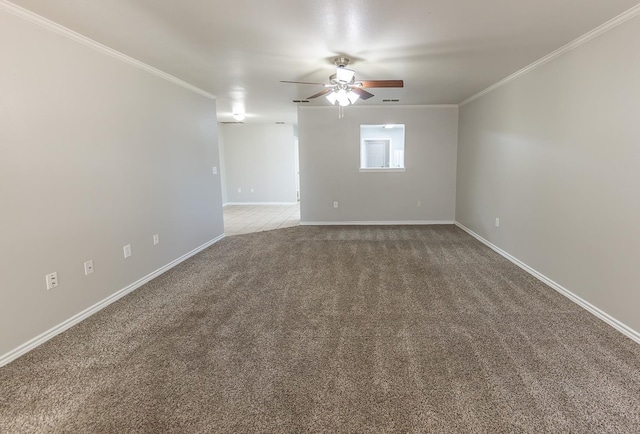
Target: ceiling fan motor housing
<point>338,78</point>
<point>341,62</point>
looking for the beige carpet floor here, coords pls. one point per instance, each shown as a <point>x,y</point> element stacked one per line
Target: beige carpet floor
<point>333,329</point>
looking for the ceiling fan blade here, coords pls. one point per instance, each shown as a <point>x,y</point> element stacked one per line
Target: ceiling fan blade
<point>301,82</point>
<point>323,92</point>
<point>381,83</point>
<point>363,94</point>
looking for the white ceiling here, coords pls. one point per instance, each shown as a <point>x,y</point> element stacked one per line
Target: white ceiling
<point>444,50</point>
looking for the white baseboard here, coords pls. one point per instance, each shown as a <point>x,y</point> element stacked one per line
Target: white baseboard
<point>622,328</point>
<point>379,223</point>
<point>39,340</point>
<point>260,203</point>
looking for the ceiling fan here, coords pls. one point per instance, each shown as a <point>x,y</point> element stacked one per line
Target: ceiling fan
<point>343,88</point>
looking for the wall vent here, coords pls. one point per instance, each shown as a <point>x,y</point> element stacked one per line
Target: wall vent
<point>298,101</point>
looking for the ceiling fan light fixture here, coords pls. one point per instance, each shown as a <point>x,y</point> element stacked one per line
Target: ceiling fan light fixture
<point>353,97</point>
<point>342,97</point>
<point>332,97</point>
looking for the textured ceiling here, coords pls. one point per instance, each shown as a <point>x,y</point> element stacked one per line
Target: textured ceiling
<point>444,50</point>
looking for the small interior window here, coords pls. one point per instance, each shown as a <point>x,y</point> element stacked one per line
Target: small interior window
<point>382,147</point>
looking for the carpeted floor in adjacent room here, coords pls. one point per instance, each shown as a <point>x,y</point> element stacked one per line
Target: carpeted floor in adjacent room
<point>333,329</point>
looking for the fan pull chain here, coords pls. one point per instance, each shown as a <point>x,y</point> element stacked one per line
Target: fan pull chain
<point>340,112</point>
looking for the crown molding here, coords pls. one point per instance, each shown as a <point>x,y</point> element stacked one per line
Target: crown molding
<point>600,30</point>
<point>68,33</point>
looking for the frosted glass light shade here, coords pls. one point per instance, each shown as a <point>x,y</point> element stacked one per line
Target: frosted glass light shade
<point>353,97</point>
<point>344,96</point>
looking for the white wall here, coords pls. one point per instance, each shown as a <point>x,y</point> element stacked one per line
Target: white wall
<point>330,166</point>
<point>555,154</point>
<point>259,157</point>
<point>94,154</point>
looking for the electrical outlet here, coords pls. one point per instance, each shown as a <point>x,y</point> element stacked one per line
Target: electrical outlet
<point>419,204</point>
<point>88,267</point>
<point>52,280</point>
<point>497,222</point>
<point>127,250</point>
<point>156,239</point>
<point>335,204</point>
<point>252,190</point>
<point>239,190</point>
<point>214,170</point>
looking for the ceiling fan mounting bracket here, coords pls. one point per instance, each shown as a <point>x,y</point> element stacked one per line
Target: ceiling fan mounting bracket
<point>341,62</point>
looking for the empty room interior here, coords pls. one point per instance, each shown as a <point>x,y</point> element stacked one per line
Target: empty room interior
<point>286,216</point>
